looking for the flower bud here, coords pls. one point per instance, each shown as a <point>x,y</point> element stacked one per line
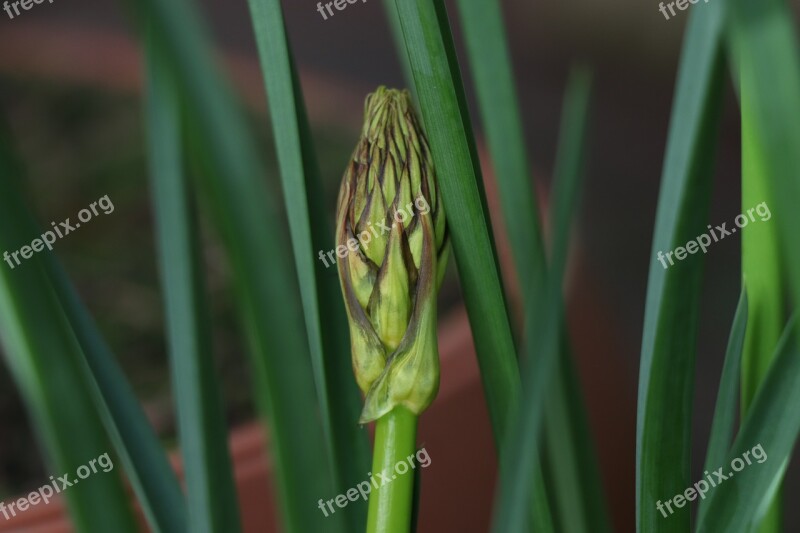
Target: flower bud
<point>391,220</point>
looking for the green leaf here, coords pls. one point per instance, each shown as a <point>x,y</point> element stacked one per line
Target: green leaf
<point>212,502</point>
<point>763,43</point>
<point>340,400</point>
<point>764,47</point>
<point>149,471</point>
<point>396,29</point>
<point>666,374</point>
<point>545,323</point>
<point>722,426</point>
<point>773,422</point>
<point>490,63</point>
<point>578,493</point>
<point>724,419</point>
<point>429,47</point>
<point>231,180</point>
<point>45,360</point>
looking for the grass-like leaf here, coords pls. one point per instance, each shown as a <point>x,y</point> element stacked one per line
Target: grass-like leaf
<point>46,362</point>
<point>772,422</point>
<point>429,47</point>
<point>142,454</point>
<point>211,496</point>
<point>764,47</point>
<point>576,487</point>
<point>763,43</point>
<point>340,400</point>
<point>666,373</point>
<point>232,181</point>
<point>724,420</point>
<point>544,324</point>
<point>396,29</point>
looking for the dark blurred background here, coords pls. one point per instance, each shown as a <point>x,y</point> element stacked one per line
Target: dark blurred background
<point>69,91</point>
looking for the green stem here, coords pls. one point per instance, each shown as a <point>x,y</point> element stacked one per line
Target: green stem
<point>391,503</point>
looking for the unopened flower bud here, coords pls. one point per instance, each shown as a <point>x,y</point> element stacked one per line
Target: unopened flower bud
<point>391,219</point>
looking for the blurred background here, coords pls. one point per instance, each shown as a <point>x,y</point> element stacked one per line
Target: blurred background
<point>70,89</point>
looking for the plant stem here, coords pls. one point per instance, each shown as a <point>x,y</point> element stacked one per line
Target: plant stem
<point>390,505</point>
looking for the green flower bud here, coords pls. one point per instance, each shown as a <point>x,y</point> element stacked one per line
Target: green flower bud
<point>391,221</point>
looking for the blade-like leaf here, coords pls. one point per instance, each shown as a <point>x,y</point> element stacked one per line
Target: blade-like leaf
<point>666,373</point>
<point>722,426</point>
<point>340,400</point>
<point>393,19</point>
<point>545,322</point>
<point>773,422</point>
<point>429,47</point>
<point>494,85</point>
<point>724,419</point>
<point>763,43</point>
<point>577,491</point>
<point>764,47</point>
<point>142,454</point>
<point>211,496</point>
<point>232,181</point>
<point>45,360</point>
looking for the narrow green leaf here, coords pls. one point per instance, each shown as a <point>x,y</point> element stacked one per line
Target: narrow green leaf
<point>311,233</point>
<point>429,47</point>
<point>763,43</point>
<point>490,64</point>
<point>45,360</point>
<point>211,496</point>
<point>393,18</point>
<point>572,466</point>
<point>722,426</point>
<point>231,179</point>
<point>153,480</point>
<point>666,374</point>
<point>724,419</point>
<point>773,423</point>
<point>545,322</point>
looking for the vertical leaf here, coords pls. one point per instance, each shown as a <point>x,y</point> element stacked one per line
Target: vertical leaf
<point>577,491</point>
<point>545,323</point>
<point>764,47</point>
<point>340,400</point>
<point>45,360</point>
<point>666,373</point>
<point>773,423</point>
<point>212,502</point>
<point>722,426</point>
<point>231,180</point>
<point>429,47</point>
